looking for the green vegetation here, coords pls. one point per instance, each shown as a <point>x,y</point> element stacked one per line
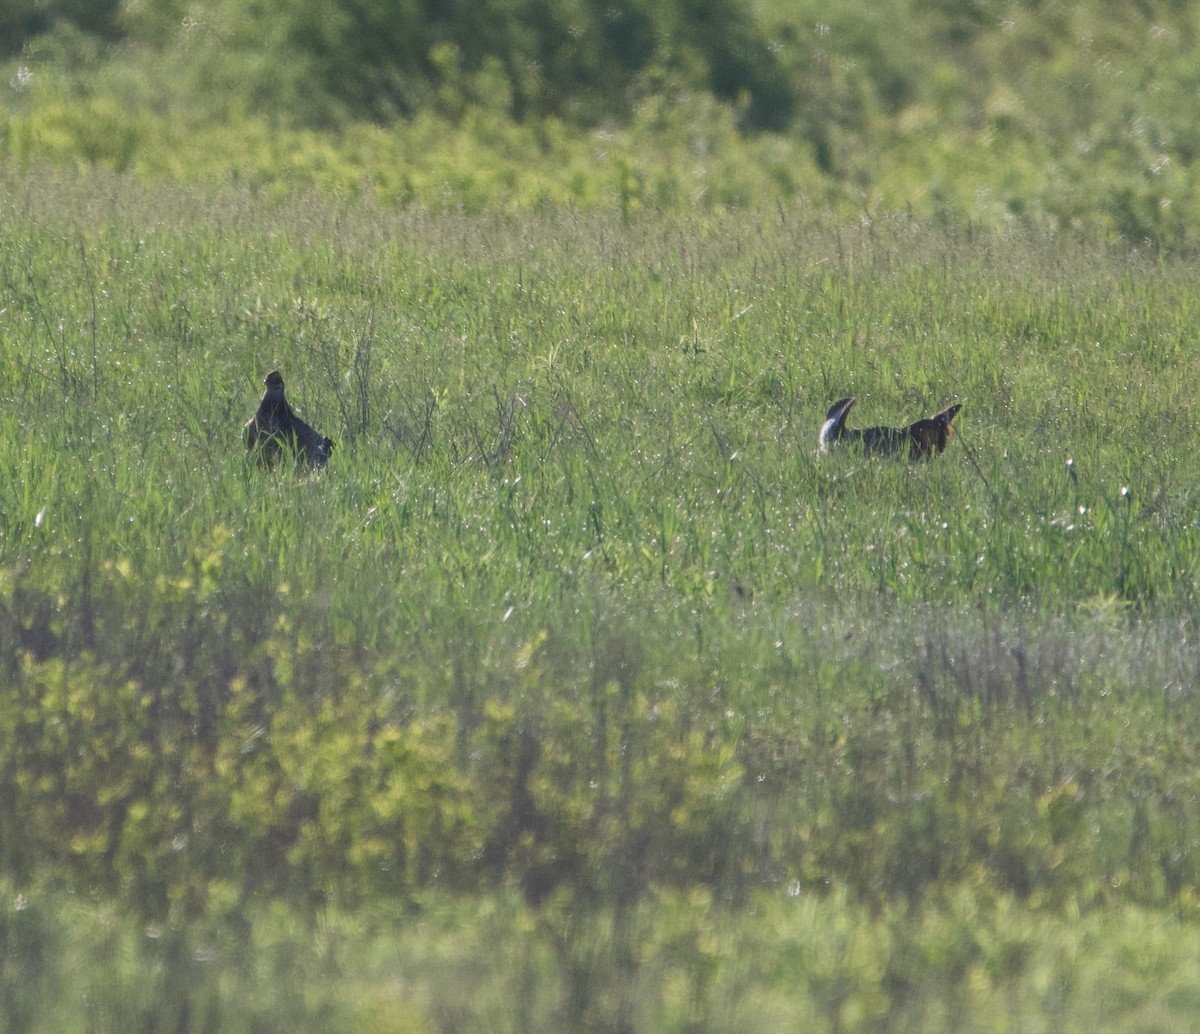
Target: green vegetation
<point>1064,114</point>
<point>578,693</point>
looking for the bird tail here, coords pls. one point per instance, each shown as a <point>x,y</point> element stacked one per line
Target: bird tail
<point>834,427</point>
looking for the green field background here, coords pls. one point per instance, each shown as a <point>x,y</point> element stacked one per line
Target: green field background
<point>579,693</point>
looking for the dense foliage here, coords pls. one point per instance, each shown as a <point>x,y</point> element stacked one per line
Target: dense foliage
<point>576,646</point>
<point>376,59</point>
<point>1073,114</point>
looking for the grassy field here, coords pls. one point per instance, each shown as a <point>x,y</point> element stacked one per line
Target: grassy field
<point>579,693</point>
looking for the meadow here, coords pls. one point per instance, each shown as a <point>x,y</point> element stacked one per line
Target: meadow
<point>578,692</point>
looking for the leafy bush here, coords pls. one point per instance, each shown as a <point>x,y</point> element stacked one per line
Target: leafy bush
<point>24,20</point>
<point>1067,117</point>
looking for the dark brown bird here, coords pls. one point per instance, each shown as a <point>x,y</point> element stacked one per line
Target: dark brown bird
<point>919,441</point>
<point>276,429</point>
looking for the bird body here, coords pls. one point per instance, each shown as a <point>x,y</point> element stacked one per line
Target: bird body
<point>920,440</point>
<point>276,428</point>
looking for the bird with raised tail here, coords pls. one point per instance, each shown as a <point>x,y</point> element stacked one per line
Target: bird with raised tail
<point>276,430</point>
<point>919,440</point>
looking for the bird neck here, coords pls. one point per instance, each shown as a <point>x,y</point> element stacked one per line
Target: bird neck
<point>274,402</point>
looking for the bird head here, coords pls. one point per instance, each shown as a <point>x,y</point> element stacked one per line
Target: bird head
<point>273,382</point>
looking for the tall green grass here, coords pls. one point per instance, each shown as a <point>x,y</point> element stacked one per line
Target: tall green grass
<point>577,645</point>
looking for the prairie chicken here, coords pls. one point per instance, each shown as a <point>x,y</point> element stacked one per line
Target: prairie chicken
<point>920,440</point>
<point>276,429</point>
